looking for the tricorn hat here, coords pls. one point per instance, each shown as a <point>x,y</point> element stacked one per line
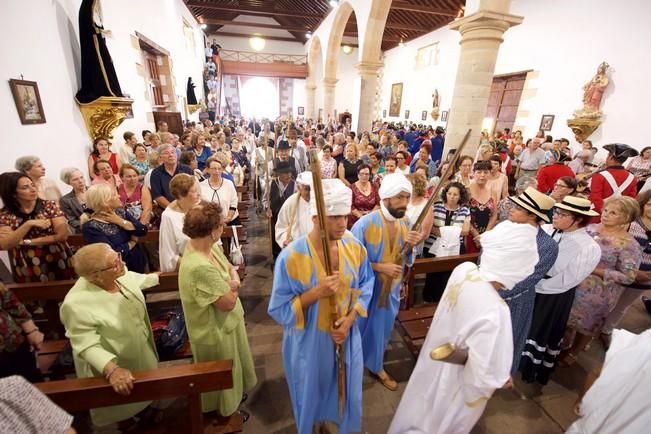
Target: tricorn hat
<point>535,202</point>
<point>620,150</point>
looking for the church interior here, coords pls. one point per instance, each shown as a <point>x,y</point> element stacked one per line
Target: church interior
<point>244,73</point>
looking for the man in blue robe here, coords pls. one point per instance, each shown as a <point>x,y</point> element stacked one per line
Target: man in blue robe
<point>300,302</point>
<point>384,232</point>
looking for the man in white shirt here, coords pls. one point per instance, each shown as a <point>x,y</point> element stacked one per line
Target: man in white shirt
<point>294,219</point>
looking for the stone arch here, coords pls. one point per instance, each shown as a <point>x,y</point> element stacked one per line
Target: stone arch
<point>371,49</point>
<point>344,10</point>
<point>315,74</point>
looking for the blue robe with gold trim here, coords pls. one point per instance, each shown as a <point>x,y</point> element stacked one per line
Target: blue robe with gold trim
<point>308,349</point>
<point>376,329</point>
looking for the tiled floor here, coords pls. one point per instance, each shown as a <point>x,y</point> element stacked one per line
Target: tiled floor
<point>525,409</point>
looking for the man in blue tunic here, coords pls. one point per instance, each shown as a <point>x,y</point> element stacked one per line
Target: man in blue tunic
<point>300,302</point>
<point>384,232</point>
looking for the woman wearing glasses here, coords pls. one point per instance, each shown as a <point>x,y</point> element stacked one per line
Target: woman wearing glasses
<point>578,256</point>
<point>221,191</point>
<point>599,293</point>
<point>106,320</point>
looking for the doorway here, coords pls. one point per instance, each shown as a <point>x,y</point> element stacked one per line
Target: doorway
<point>504,100</point>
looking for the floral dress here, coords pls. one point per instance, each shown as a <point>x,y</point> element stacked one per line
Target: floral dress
<point>596,297</point>
<point>480,215</point>
<point>328,168</point>
<point>362,202</point>
<point>41,263</point>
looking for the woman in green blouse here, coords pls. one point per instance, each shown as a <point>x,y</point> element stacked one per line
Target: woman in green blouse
<point>214,316</point>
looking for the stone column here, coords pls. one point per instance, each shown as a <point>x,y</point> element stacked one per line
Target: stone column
<point>481,36</point>
<point>310,101</point>
<point>329,86</point>
<point>365,114</point>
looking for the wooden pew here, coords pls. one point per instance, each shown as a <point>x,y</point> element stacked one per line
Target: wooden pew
<point>414,321</point>
<point>77,240</point>
<point>163,383</point>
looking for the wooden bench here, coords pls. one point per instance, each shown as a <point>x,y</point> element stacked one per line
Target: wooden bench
<point>414,321</point>
<point>191,380</point>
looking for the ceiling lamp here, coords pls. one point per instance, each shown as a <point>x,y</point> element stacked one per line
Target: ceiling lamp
<point>401,43</point>
<point>347,49</point>
<point>308,35</point>
<point>334,3</point>
<point>204,26</point>
<point>257,43</point>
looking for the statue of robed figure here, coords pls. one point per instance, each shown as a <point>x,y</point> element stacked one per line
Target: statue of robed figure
<point>98,77</point>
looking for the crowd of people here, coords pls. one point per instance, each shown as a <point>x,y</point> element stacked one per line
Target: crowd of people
<point>564,247</point>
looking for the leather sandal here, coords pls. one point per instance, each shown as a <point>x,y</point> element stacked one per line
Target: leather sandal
<point>387,381</point>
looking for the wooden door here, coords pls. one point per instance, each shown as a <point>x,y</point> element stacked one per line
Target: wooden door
<point>504,100</point>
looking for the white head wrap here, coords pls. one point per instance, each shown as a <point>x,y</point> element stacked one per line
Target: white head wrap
<point>393,184</point>
<point>338,198</point>
<point>304,178</point>
<point>509,253</point>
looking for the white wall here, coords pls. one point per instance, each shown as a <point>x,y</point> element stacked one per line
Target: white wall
<point>563,42</point>
<point>271,46</point>
<point>347,75</point>
<point>299,96</point>
<point>45,48</point>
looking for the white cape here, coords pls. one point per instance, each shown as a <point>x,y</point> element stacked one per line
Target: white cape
<point>302,224</point>
<point>446,398</point>
<point>618,402</point>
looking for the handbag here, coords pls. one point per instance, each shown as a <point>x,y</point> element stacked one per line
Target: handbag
<point>448,244</point>
<point>235,255</point>
<point>170,333</point>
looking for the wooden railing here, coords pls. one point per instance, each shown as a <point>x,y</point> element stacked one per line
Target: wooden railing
<point>253,57</point>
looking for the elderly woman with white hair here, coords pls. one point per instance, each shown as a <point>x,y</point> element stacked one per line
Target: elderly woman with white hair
<point>73,204</point>
<point>468,350</point>
<point>32,166</point>
<point>110,223</point>
<point>106,320</point>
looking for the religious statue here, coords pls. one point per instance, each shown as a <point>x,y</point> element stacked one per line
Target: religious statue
<point>98,77</point>
<point>587,119</point>
<point>435,105</point>
<point>594,90</point>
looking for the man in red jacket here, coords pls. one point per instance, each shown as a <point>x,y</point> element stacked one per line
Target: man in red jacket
<point>548,175</point>
<point>615,180</point>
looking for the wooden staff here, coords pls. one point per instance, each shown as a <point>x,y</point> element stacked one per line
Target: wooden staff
<point>317,191</point>
<point>267,191</point>
<point>448,173</point>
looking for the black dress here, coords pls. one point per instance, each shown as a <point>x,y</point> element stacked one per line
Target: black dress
<point>277,198</point>
<point>350,170</point>
<point>98,77</point>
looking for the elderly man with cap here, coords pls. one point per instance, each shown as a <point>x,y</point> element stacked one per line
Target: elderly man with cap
<point>294,216</point>
<point>615,180</point>
<point>384,232</point>
<point>531,208</point>
<point>282,155</point>
<point>300,303</point>
<point>578,256</point>
<point>468,349</point>
<point>281,188</point>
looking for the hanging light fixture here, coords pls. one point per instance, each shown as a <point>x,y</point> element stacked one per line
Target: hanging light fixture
<point>401,43</point>
<point>347,49</point>
<point>257,42</point>
<point>204,26</point>
<point>308,35</point>
<point>334,3</point>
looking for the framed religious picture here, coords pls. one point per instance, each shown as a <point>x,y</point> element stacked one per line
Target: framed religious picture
<point>384,113</point>
<point>444,116</point>
<point>546,122</point>
<point>28,101</point>
<point>423,115</point>
<point>301,111</point>
<point>396,99</point>
<point>406,114</point>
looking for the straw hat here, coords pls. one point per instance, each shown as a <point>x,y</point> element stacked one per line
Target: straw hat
<point>577,205</point>
<point>535,202</point>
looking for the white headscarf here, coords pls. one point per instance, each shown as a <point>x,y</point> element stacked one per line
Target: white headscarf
<point>338,198</point>
<point>304,178</point>
<point>509,253</point>
<point>393,184</point>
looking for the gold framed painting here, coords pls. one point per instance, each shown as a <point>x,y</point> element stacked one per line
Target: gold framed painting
<point>28,101</point>
<point>396,99</point>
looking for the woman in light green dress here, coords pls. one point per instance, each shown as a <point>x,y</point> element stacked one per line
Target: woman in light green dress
<point>214,316</point>
<point>106,320</point>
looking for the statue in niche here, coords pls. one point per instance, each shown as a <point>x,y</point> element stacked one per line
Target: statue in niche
<point>98,77</point>
<point>436,110</point>
<point>594,92</point>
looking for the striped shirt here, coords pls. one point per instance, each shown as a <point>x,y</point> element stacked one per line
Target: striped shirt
<point>641,235</point>
<point>445,217</point>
